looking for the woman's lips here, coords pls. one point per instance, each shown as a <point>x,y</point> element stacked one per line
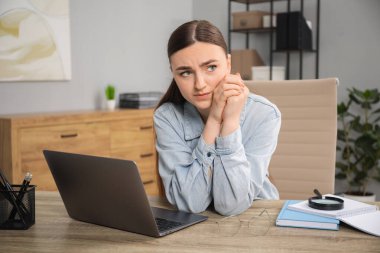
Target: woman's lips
<point>202,95</point>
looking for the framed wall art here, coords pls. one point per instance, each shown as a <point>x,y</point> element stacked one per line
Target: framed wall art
<point>34,40</point>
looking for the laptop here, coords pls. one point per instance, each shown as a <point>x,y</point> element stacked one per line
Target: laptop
<point>109,192</point>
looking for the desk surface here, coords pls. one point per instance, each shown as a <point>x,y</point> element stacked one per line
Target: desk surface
<point>54,231</point>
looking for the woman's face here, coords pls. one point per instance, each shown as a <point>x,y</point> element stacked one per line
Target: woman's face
<point>197,70</point>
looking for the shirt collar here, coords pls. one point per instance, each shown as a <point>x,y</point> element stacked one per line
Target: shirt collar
<point>193,121</point>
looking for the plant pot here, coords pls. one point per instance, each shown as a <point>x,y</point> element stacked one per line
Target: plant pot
<point>111,105</point>
<point>369,197</point>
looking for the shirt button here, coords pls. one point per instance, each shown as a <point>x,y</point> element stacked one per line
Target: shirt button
<point>208,154</point>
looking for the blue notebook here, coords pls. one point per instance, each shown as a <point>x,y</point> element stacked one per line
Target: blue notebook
<point>290,218</point>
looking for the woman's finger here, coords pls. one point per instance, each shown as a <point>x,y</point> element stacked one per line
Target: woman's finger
<point>234,79</point>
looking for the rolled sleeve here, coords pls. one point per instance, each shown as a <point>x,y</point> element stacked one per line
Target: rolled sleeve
<point>229,144</point>
<point>204,153</point>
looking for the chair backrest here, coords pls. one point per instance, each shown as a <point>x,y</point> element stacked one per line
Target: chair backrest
<point>305,155</point>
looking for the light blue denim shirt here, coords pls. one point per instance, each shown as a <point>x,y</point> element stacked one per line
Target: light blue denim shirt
<point>232,172</point>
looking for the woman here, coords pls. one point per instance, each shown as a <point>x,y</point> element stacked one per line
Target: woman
<point>214,138</point>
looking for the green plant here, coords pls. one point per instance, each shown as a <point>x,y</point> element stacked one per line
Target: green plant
<point>359,140</point>
<point>110,92</point>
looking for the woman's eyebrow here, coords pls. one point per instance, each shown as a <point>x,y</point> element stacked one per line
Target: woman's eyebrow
<point>183,68</point>
<point>208,62</point>
<point>202,64</point>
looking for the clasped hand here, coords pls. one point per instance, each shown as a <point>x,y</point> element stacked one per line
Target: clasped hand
<point>229,98</point>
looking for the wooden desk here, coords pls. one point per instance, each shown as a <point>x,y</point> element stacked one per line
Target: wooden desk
<point>54,231</point>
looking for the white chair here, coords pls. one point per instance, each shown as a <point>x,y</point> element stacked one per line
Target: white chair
<point>305,155</point>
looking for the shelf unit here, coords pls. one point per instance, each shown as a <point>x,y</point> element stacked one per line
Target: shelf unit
<point>272,29</point>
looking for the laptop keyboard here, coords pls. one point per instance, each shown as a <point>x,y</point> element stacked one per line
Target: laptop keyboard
<point>164,225</point>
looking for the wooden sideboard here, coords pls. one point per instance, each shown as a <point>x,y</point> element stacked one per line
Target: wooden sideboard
<point>126,134</point>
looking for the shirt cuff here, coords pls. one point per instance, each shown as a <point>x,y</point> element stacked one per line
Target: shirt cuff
<point>204,153</point>
<point>229,144</point>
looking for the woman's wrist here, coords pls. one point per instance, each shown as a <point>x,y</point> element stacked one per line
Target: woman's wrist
<point>211,130</point>
<point>229,126</point>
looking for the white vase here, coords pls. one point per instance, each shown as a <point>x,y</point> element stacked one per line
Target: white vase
<point>369,198</point>
<point>111,105</point>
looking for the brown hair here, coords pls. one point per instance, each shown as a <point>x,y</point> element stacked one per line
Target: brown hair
<point>184,36</point>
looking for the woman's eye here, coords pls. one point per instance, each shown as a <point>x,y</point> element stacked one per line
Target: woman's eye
<point>211,68</point>
<point>185,73</point>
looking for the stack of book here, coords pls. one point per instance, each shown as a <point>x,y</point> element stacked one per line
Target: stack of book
<point>139,100</point>
<point>291,218</point>
<point>359,215</point>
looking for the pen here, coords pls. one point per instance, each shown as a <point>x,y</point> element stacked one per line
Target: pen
<point>2,186</point>
<point>20,196</point>
<point>25,183</point>
<point>7,187</point>
<point>9,194</point>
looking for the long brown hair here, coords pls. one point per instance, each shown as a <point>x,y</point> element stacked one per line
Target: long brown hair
<point>184,36</point>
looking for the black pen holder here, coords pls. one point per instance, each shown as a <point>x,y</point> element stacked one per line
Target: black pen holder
<point>17,208</point>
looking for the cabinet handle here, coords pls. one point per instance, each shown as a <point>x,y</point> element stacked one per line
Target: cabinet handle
<point>69,135</point>
<point>146,155</point>
<point>148,182</point>
<point>146,127</point>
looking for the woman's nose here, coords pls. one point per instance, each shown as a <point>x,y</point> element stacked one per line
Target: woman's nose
<point>199,82</point>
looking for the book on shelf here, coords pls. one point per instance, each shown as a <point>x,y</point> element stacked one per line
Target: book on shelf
<point>139,99</point>
<point>291,218</point>
<point>362,216</point>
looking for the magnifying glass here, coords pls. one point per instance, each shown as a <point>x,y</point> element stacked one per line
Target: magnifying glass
<point>325,203</point>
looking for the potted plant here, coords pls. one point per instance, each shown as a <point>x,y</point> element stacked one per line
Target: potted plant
<point>110,96</point>
<point>359,142</point>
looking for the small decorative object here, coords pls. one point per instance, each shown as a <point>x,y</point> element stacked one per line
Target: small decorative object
<point>110,95</point>
<point>359,141</point>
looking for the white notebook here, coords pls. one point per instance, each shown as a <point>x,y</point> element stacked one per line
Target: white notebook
<point>359,215</point>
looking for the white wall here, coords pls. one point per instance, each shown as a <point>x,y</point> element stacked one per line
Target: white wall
<point>125,42</point>
<point>117,41</point>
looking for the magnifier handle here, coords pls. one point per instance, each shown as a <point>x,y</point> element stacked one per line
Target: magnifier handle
<point>317,193</point>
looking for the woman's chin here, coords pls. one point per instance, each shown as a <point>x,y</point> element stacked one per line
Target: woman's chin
<point>203,105</point>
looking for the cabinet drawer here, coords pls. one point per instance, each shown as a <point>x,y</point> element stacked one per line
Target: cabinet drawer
<point>89,138</point>
<point>131,133</point>
<point>151,188</point>
<point>76,138</point>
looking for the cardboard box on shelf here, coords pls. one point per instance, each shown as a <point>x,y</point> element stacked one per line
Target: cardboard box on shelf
<point>242,61</point>
<point>248,19</point>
